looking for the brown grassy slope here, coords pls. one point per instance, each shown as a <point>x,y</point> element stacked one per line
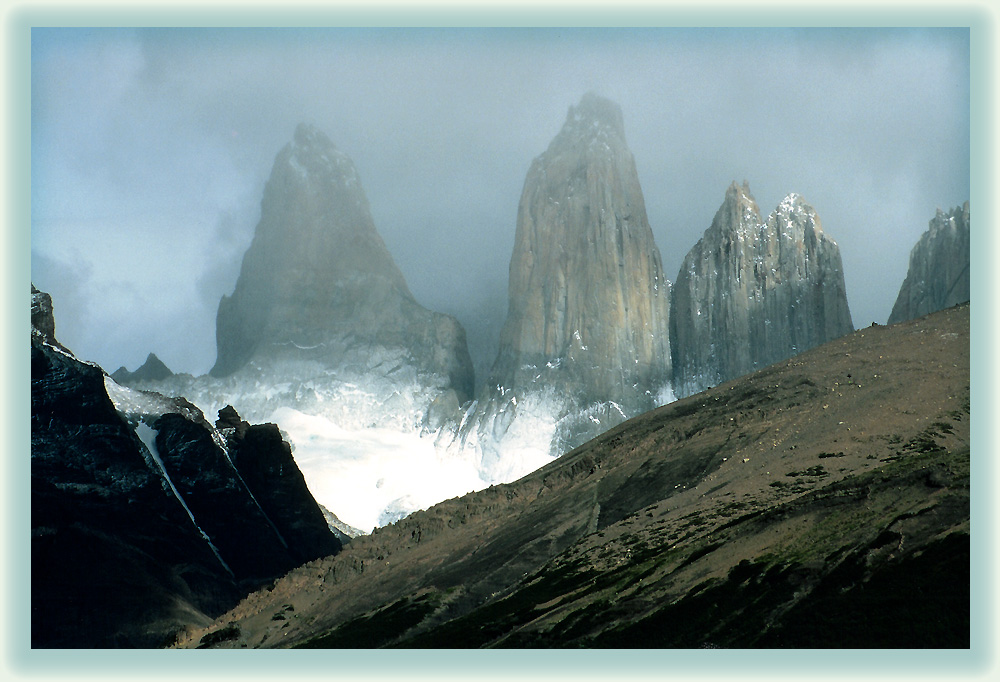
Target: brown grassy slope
<point>820,474</point>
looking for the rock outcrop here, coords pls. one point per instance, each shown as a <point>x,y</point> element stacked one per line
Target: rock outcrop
<point>585,343</point>
<point>152,370</point>
<point>43,321</point>
<point>938,274</point>
<point>144,518</point>
<point>753,292</point>
<point>318,283</point>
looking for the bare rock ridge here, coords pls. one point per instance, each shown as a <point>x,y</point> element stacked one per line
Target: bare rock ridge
<point>938,274</point>
<point>753,292</point>
<point>317,281</point>
<point>588,309</point>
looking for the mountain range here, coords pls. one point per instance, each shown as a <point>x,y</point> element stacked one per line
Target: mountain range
<point>569,473</point>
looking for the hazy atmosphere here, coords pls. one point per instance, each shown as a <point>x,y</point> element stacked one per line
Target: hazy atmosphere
<point>150,150</point>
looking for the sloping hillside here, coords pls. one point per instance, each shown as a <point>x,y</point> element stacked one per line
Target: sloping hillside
<point>820,502</point>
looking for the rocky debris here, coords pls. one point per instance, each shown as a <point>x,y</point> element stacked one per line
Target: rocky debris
<point>318,283</point>
<point>141,521</point>
<point>754,292</point>
<point>588,311</point>
<point>938,274</point>
<point>151,370</point>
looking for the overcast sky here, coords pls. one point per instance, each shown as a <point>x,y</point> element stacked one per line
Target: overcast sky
<point>150,150</point>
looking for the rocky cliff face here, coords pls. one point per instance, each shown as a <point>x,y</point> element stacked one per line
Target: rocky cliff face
<point>586,337</point>
<point>318,283</point>
<point>43,321</point>
<point>938,275</point>
<point>142,517</point>
<point>753,292</point>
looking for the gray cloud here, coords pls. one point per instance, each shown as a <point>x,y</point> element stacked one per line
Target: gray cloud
<point>150,150</point>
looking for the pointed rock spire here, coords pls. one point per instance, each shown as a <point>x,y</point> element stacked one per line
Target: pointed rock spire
<point>588,310</point>
<point>318,277</point>
<point>753,292</point>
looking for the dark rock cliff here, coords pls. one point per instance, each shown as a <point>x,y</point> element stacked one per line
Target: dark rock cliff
<point>141,524</point>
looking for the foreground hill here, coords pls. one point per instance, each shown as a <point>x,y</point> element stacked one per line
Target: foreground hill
<point>820,502</point>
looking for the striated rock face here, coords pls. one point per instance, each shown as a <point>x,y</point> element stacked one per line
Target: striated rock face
<point>938,275</point>
<point>587,324</point>
<point>318,283</point>
<point>752,292</point>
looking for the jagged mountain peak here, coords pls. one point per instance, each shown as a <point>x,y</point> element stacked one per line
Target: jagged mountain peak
<point>589,304</point>
<point>738,213</point>
<point>739,189</point>
<point>794,203</point>
<point>794,209</point>
<point>752,292</point>
<point>43,322</point>
<point>950,219</point>
<point>153,369</point>
<point>319,284</point>
<point>307,134</point>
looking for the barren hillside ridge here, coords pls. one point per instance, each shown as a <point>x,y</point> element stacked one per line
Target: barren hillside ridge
<point>820,502</point>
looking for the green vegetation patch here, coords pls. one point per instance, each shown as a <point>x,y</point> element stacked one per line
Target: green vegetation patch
<point>379,628</point>
<point>226,634</point>
<point>492,621</point>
